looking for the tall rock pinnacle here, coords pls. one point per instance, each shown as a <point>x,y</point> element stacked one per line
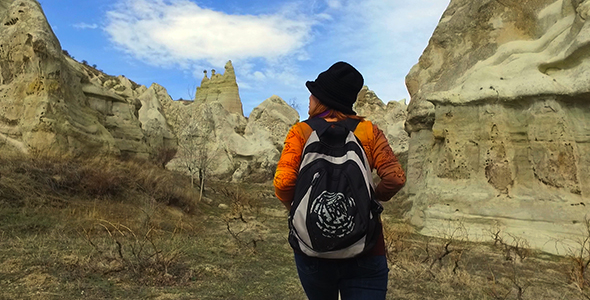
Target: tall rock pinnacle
<point>222,89</point>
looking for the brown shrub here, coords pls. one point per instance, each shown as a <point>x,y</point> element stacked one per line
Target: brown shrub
<point>38,178</point>
<point>396,240</point>
<point>164,155</point>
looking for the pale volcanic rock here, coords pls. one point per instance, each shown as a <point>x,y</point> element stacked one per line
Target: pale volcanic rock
<point>272,118</point>
<point>500,122</point>
<point>239,148</point>
<point>51,103</point>
<point>154,124</point>
<point>265,132</point>
<point>42,103</point>
<point>205,132</point>
<point>221,88</point>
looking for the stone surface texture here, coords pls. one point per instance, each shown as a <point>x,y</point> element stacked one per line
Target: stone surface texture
<point>221,88</point>
<point>53,104</point>
<point>228,145</point>
<point>499,122</point>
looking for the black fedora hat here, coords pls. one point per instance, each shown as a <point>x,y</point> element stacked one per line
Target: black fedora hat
<point>337,87</point>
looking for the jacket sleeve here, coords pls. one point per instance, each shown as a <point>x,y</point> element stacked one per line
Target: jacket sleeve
<point>388,167</point>
<point>288,165</point>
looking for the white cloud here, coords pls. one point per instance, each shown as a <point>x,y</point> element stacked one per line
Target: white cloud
<point>324,17</point>
<point>334,4</point>
<point>384,39</point>
<point>83,25</point>
<point>178,32</point>
<point>282,74</point>
<point>259,75</point>
<point>276,52</point>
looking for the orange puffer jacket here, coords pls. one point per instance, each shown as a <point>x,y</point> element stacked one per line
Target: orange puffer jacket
<point>376,147</point>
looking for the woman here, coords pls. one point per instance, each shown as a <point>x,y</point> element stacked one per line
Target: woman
<point>333,94</point>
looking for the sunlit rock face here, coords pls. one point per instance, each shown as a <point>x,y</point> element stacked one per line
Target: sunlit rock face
<point>499,121</point>
<point>50,103</point>
<point>221,88</point>
<point>228,145</point>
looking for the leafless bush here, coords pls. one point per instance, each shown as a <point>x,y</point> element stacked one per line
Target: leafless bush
<point>515,250</point>
<point>147,253</point>
<point>164,155</point>
<point>240,199</point>
<point>244,229</point>
<point>396,241</point>
<point>239,235</point>
<point>580,261</point>
<point>194,150</point>
<point>450,249</point>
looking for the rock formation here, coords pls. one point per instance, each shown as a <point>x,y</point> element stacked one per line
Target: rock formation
<point>390,118</point>
<point>222,89</point>
<point>132,113</point>
<point>50,103</point>
<point>499,121</point>
<point>227,144</point>
<point>243,149</point>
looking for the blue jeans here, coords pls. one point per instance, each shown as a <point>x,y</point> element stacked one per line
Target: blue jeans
<point>362,278</point>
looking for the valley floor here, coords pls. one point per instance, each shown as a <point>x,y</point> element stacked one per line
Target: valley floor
<point>232,245</point>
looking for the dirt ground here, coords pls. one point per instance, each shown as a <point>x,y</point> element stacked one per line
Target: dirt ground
<point>123,243</point>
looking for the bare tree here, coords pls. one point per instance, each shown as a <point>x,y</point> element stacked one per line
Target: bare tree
<point>202,163</point>
<point>293,103</point>
<point>195,154</point>
<point>191,91</point>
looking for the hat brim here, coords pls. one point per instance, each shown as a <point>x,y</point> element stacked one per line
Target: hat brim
<point>326,99</point>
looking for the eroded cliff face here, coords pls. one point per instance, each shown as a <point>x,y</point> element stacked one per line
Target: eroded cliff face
<point>50,103</point>
<point>42,102</point>
<point>499,121</point>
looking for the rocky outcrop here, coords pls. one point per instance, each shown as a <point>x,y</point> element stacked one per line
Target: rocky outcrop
<point>265,132</point>
<point>221,88</point>
<point>131,113</point>
<point>240,149</point>
<point>50,103</point>
<point>271,120</point>
<point>228,145</point>
<point>389,118</point>
<point>42,102</point>
<point>499,121</point>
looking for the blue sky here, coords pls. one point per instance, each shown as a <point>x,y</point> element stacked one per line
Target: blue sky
<point>275,46</point>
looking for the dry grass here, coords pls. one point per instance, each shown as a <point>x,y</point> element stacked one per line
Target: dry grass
<point>244,221</point>
<point>148,254</point>
<point>108,229</point>
<point>124,218</point>
<point>126,230</point>
<point>50,180</point>
<point>579,274</point>
<point>454,268</point>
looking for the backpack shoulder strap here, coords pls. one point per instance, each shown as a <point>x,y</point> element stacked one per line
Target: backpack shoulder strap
<point>350,124</point>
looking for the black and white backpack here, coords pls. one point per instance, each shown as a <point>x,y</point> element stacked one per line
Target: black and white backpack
<point>334,213</point>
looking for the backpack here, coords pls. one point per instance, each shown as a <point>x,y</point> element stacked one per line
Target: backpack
<point>334,213</point>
